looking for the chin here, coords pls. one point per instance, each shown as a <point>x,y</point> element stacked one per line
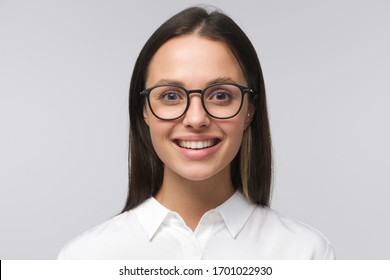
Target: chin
<point>197,175</point>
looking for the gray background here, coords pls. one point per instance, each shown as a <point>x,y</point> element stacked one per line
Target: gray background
<point>65,68</point>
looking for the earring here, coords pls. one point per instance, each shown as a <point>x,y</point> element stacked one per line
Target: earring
<point>248,121</point>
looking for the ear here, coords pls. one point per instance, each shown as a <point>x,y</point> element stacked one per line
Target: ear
<point>145,113</point>
<point>251,112</point>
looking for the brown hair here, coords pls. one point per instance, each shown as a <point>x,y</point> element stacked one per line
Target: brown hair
<point>251,169</point>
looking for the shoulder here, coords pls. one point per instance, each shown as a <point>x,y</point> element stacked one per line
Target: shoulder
<point>292,238</point>
<point>97,242</point>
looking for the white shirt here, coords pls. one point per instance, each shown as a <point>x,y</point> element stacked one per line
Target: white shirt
<point>236,229</point>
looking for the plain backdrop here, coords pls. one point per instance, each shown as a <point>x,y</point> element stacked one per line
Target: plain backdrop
<point>65,67</point>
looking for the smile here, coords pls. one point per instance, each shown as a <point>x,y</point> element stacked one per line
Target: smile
<point>196,145</point>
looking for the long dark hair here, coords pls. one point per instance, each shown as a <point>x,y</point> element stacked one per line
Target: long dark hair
<point>251,169</point>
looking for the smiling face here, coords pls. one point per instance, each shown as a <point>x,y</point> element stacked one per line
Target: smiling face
<point>196,146</point>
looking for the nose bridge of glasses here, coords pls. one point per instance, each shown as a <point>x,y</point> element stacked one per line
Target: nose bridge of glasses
<point>191,91</point>
<point>199,94</point>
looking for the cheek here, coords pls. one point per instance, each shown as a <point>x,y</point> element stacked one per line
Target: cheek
<point>235,129</point>
<point>159,134</point>
<point>157,131</point>
<point>236,136</point>
<point>240,119</point>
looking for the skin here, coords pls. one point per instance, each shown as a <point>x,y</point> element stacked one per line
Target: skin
<point>195,181</point>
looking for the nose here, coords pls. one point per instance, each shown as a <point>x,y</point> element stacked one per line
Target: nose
<point>196,117</point>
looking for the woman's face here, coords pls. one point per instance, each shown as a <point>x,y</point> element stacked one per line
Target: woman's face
<point>196,62</point>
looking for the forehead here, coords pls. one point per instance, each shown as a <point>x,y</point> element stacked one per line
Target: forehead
<point>193,60</point>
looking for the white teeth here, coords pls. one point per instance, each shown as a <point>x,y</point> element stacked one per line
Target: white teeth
<point>196,144</point>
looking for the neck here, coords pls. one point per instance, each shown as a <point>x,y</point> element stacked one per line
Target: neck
<point>191,199</point>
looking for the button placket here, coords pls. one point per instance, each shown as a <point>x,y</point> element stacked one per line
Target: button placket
<point>206,228</point>
<point>186,238</point>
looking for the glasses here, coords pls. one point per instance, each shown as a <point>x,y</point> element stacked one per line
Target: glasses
<point>220,101</point>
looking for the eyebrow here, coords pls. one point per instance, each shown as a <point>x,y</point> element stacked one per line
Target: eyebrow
<point>210,82</point>
<point>169,82</point>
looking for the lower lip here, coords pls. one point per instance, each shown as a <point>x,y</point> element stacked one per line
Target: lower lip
<point>197,154</point>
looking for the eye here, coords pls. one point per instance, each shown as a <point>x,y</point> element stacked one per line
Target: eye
<point>220,96</point>
<point>170,96</point>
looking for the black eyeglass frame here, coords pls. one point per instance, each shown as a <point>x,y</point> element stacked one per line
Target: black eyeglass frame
<point>243,89</point>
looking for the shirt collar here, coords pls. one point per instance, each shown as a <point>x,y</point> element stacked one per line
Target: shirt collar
<point>235,212</point>
<point>151,215</point>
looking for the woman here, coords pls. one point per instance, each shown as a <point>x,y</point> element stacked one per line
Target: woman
<point>200,155</point>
